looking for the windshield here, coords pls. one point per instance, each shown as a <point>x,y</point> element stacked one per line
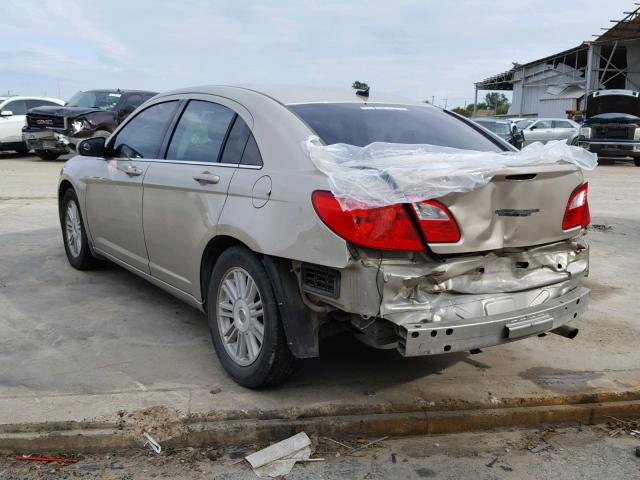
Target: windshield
<point>102,99</point>
<point>499,128</point>
<point>361,124</point>
<point>522,124</point>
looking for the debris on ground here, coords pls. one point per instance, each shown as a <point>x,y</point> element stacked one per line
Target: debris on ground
<point>153,444</point>
<point>539,447</point>
<point>365,445</point>
<point>47,459</point>
<point>617,426</point>
<point>279,458</point>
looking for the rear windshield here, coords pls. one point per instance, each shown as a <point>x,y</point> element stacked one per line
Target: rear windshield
<point>361,124</point>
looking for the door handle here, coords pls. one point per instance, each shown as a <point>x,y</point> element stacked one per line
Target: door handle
<point>132,170</point>
<point>207,178</point>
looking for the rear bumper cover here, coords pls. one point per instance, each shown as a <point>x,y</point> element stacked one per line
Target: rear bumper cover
<point>473,333</point>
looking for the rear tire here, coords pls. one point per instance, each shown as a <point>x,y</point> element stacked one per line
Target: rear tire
<point>47,155</point>
<point>244,321</point>
<point>636,161</point>
<point>74,237</point>
<point>22,150</point>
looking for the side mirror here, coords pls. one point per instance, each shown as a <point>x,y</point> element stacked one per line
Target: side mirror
<point>91,147</point>
<point>6,113</point>
<point>533,127</point>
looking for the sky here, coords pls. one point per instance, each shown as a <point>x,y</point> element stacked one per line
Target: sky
<point>421,49</point>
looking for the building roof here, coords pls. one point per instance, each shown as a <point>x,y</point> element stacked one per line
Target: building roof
<point>623,30</point>
<point>626,29</point>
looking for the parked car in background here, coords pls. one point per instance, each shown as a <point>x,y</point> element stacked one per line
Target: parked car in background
<point>509,132</point>
<point>207,193</point>
<point>546,129</point>
<point>612,125</point>
<point>54,131</point>
<point>12,117</point>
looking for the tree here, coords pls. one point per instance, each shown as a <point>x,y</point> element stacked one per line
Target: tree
<point>461,111</point>
<point>495,100</point>
<point>358,85</point>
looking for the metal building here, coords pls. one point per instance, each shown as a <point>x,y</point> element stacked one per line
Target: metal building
<point>558,84</point>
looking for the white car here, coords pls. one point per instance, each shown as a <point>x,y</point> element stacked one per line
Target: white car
<point>546,129</point>
<point>13,111</point>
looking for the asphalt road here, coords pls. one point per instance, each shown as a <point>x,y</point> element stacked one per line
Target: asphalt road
<point>84,345</point>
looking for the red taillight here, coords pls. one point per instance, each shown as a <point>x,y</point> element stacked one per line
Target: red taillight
<point>437,222</point>
<point>577,212</point>
<point>383,228</point>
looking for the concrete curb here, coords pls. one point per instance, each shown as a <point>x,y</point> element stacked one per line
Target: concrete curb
<point>97,437</point>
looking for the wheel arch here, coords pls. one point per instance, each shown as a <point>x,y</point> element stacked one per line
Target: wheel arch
<point>301,326</point>
<point>62,189</point>
<point>210,256</point>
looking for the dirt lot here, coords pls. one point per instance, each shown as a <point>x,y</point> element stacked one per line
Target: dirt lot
<point>569,453</point>
<point>90,346</point>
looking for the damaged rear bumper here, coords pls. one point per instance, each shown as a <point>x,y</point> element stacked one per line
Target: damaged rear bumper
<point>473,333</point>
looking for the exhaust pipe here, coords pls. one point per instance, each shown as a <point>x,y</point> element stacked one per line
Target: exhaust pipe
<point>566,331</point>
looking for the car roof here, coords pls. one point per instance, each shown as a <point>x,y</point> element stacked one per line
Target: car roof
<point>297,94</point>
<point>118,90</point>
<point>30,97</point>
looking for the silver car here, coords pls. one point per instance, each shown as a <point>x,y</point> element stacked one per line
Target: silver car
<point>547,129</point>
<point>208,193</point>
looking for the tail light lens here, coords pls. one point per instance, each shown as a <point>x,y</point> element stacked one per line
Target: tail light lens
<point>577,212</point>
<point>383,228</point>
<point>437,222</point>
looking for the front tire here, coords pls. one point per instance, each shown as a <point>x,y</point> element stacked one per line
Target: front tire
<point>47,154</point>
<point>74,237</point>
<point>244,321</point>
<point>22,150</point>
<point>636,161</point>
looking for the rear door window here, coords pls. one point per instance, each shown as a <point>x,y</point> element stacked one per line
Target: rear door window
<point>251,155</point>
<point>361,124</point>
<point>561,124</point>
<point>236,142</point>
<point>142,137</point>
<point>200,133</point>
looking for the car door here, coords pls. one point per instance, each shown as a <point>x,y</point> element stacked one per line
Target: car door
<point>563,129</point>
<point>11,125</point>
<point>184,194</point>
<point>539,131</point>
<point>113,199</point>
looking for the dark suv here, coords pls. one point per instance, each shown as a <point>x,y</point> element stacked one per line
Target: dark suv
<point>612,125</point>
<point>54,131</point>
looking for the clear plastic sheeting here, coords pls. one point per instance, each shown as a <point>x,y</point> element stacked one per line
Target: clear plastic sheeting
<point>389,173</point>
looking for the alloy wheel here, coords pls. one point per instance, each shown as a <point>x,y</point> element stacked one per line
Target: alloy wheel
<point>240,316</point>
<point>73,229</point>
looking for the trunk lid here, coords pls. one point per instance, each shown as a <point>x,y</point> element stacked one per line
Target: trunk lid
<point>520,207</point>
